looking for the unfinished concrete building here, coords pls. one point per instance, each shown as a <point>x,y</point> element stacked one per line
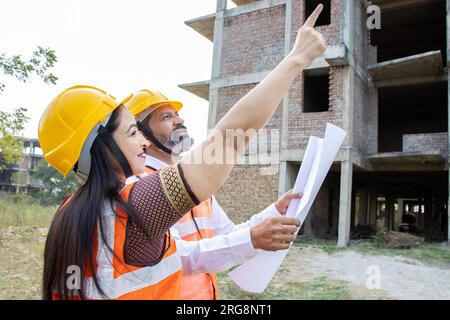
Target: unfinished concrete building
<point>388,88</point>
<point>19,177</point>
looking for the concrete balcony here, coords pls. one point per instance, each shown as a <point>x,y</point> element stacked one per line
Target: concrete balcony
<point>421,151</point>
<point>420,68</point>
<point>203,25</point>
<point>388,5</point>
<point>241,2</point>
<point>200,89</point>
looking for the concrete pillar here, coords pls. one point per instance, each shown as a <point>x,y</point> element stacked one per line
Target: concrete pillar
<point>372,210</point>
<point>345,202</point>
<point>285,103</point>
<point>283,181</point>
<point>448,108</point>
<point>448,216</point>
<point>216,63</point>
<point>399,216</point>
<point>363,220</point>
<point>345,197</point>
<point>218,31</point>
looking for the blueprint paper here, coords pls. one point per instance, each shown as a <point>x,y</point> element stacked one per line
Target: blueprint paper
<point>255,274</point>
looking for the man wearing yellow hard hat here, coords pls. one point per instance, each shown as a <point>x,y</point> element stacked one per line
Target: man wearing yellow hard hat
<point>207,240</point>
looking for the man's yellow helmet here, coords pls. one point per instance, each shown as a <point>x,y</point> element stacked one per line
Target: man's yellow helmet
<point>66,127</point>
<point>144,102</point>
<point>141,104</point>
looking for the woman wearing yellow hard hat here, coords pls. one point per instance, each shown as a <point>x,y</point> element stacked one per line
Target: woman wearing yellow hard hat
<point>110,239</point>
<point>97,233</point>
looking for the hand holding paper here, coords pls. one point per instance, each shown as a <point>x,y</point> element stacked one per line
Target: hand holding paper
<point>255,274</point>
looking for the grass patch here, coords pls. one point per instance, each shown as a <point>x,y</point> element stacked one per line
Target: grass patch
<point>429,253</point>
<point>320,288</point>
<point>23,229</point>
<point>329,246</point>
<point>21,261</point>
<point>24,213</point>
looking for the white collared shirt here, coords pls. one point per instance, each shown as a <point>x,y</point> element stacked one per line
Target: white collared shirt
<point>232,244</point>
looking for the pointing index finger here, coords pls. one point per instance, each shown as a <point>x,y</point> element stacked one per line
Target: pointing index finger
<point>311,21</point>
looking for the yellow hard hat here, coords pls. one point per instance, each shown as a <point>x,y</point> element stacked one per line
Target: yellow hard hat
<point>147,100</point>
<point>67,126</point>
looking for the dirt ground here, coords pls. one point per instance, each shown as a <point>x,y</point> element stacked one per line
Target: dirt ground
<point>307,273</point>
<point>21,261</point>
<point>400,277</point>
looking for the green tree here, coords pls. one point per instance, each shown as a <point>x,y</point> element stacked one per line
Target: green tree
<point>11,146</point>
<point>56,188</point>
<point>11,123</point>
<point>40,62</point>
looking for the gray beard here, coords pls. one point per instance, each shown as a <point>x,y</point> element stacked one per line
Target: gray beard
<point>177,143</point>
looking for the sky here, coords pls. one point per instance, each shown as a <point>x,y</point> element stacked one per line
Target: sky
<point>118,46</point>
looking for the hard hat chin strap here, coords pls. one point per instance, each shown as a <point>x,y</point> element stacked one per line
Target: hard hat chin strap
<point>115,150</point>
<point>83,166</point>
<point>149,134</point>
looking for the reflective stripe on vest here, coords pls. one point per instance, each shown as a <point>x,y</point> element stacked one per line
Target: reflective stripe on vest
<point>119,280</point>
<point>188,227</point>
<point>114,285</point>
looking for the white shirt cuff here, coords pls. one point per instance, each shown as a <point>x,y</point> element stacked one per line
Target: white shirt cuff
<point>269,212</point>
<point>241,245</point>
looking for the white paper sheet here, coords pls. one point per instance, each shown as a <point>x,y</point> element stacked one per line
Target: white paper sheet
<point>255,274</point>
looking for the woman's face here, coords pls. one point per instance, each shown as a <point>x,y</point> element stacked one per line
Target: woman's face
<point>130,141</point>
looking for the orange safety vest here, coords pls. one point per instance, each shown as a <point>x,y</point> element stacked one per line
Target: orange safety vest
<point>121,281</point>
<point>194,226</point>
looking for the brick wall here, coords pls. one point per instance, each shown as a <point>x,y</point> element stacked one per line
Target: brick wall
<point>302,125</point>
<point>426,142</point>
<point>331,32</point>
<point>228,96</point>
<point>247,191</point>
<point>253,42</point>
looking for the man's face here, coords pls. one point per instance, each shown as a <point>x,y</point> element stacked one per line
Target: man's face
<point>169,129</point>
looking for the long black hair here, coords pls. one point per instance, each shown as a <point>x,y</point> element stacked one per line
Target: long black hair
<point>70,240</point>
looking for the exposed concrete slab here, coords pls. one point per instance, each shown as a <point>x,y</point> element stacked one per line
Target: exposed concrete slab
<point>410,167</point>
<point>200,89</point>
<point>241,2</point>
<point>254,6</point>
<point>239,80</point>
<point>387,5</point>
<point>419,65</point>
<point>407,157</point>
<point>336,55</point>
<point>203,25</point>
<point>411,81</point>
